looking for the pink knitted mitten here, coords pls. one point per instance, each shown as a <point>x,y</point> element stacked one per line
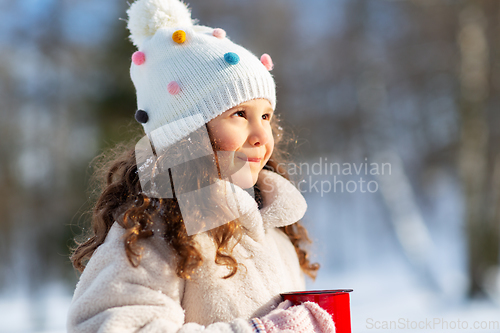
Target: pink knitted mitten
<point>307,317</point>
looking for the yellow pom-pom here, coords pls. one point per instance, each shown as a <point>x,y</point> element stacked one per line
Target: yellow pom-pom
<point>179,36</point>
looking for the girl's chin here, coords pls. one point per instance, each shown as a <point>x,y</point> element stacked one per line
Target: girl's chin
<point>243,176</point>
<point>243,182</point>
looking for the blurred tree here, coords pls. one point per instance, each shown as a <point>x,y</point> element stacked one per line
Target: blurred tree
<point>482,228</point>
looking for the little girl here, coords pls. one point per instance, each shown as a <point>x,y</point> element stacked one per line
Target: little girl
<point>197,228</point>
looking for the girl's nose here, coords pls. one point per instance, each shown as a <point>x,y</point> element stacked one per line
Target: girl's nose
<point>258,136</point>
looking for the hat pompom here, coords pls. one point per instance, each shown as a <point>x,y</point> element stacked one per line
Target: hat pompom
<point>145,17</point>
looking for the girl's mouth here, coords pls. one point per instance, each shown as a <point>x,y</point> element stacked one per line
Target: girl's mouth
<point>250,159</point>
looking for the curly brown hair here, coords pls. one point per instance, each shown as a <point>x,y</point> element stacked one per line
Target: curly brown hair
<point>123,200</point>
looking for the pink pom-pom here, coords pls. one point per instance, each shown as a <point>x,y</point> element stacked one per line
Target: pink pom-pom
<point>219,33</point>
<point>138,58</point>
<point>266,60</point>
<point>173,88</point>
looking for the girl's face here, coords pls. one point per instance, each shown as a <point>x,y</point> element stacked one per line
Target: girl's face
<point>245,133</point>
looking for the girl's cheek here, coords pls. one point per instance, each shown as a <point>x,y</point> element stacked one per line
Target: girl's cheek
<point>228,143</point>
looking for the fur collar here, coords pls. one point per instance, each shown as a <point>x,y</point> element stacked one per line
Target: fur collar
<point>283,204</point>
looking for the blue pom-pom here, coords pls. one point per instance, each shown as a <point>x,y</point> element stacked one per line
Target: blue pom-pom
<point>231,58</point>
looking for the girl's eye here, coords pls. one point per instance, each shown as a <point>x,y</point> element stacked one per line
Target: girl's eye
<point>240,113</point>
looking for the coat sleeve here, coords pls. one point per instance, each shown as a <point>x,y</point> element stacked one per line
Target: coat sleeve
<point>113,296</point>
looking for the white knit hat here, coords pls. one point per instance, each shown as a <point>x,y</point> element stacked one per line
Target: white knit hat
<point>186,74</point>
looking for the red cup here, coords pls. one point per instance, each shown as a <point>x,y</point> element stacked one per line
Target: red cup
<point>335,302</point>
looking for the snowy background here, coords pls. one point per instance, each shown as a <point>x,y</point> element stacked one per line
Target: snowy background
<point>378,81</point>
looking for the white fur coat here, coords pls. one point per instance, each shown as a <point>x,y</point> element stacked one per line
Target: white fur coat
<point>113,296</point>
